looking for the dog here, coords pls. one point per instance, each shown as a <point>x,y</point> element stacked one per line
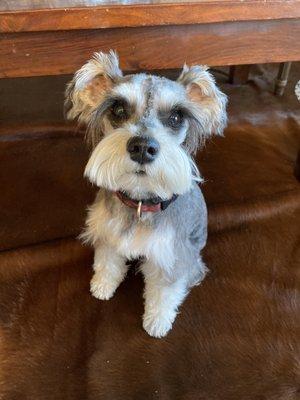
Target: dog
<point>143,130</point>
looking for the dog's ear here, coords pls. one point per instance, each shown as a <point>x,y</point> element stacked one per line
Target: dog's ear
<point>207,101</point>
<point>90,85</point>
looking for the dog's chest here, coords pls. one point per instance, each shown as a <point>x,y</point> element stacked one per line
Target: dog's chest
<point>144,240</point>
<point>140,239</point>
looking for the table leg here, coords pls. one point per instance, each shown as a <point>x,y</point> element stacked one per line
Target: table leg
<point>282,78</point>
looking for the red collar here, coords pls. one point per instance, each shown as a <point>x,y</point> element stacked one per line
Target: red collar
<point>149,205</point>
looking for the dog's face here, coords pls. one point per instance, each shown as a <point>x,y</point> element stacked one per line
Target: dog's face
<point>143,128</point>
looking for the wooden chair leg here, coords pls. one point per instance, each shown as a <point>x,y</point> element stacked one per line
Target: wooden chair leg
<point>239,74</point>
<point>282,78</point>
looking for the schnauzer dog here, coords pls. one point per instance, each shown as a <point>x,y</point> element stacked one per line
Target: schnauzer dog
<point>142,130</point>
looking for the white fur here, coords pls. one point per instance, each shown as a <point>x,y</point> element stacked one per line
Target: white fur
<point>162,299</point>
<point>141,240</point>
<point>163,294</point>
<point>111,167</point>
<point>110,269</point>
<point>172,263</point>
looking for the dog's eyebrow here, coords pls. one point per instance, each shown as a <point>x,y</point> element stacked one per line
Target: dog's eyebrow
<point>183,108</point>
<point>178,106</point>
<point>189,109</point>
<point>108,102</point>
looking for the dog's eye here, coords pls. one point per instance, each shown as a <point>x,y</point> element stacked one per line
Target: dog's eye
<point>175,119</point>
<point>119,112</point>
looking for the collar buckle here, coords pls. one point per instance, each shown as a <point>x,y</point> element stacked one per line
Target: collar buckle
<point>139,210</point>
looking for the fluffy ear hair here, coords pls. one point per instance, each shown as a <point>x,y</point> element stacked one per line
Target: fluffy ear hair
<point>208,105</point>
<point>90,84</point>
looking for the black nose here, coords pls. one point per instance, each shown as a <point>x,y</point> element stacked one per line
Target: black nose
<point>142,149</point>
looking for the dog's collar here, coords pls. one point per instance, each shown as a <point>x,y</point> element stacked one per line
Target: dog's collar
<point>154,204</point>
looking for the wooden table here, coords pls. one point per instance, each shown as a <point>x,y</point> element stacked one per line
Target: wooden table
<point>56,37</point>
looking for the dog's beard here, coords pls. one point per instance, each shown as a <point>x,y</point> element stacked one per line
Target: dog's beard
<point>110,167</point>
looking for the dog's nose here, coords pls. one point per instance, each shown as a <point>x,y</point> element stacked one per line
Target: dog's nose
<point>142,149</point>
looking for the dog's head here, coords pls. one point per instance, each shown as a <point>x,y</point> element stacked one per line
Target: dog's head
<point>143,128</point>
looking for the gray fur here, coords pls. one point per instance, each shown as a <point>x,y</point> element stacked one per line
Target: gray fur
<point>169,241</point>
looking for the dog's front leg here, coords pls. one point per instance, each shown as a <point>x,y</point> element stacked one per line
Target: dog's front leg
<point>110,269</point>
<point>162,299</point>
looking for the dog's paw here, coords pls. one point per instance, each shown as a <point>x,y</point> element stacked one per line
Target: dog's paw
<point>103,288</point>
<point>157,325</point>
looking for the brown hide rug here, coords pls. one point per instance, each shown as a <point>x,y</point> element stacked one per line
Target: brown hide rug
<point>237,336</point>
